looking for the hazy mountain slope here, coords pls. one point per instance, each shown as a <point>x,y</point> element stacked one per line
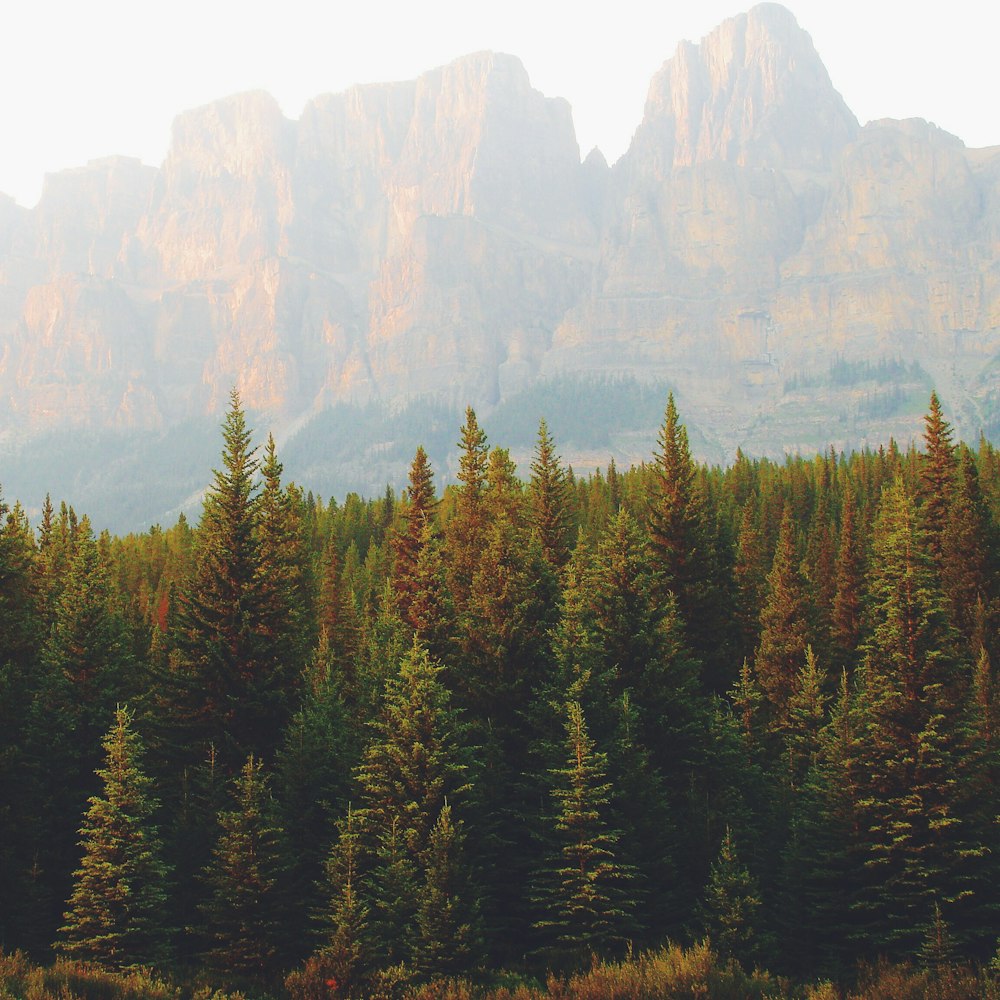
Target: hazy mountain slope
<point>439,242</point>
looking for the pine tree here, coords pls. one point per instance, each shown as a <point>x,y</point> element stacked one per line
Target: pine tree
<point>728,912</point>
<point>583,896</point>
<point>114,915</point>
<point>243,914</point>
<point>447,935</point>
<point>411,766</point>
<point>465,528</point>
<point>937,475</point>
<point>418,527</point>
<point>846,623</point>
<point>920,841</point>
<point>229,688</point>
<point>784,624</point>
<point>345,954</point>
<point>549,498</point>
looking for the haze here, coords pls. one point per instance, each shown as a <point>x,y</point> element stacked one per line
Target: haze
<point>82,81</point>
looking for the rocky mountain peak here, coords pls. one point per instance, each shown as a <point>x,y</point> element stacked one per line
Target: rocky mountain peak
<point>753,92</point>
<point>438,241</point>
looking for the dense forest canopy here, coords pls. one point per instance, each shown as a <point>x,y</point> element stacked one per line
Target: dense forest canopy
<point>355,746</point>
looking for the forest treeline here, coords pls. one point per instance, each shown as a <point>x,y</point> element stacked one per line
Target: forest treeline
<point>347,748</point>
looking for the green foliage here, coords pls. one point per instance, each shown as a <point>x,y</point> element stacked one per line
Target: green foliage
<point>582,896</point>
<point>416,656</point>
<point>784,625</point>
<point>345,956</point>
<point>729,908</point>
<point>114,915</point>
<point>243,913</point>
<point>447,933</point>
<point>229,685</point>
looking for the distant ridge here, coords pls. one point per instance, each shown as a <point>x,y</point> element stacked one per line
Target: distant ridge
<point>439,242</point>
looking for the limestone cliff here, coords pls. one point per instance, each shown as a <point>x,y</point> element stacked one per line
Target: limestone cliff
<point>441,239</point>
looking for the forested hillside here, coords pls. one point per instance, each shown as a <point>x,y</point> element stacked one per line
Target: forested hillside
<point>350,748</point>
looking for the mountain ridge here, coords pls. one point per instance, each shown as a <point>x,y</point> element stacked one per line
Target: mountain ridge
<point>441,240</point>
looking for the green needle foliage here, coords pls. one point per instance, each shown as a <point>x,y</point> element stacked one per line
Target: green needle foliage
<point>583,894</point>
<point>244,911</point>
<point>114,915</point>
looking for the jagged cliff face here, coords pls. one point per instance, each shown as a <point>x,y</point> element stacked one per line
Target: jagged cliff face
<point>441,238</point>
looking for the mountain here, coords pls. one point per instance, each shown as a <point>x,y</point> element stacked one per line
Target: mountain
<point>401,250</point>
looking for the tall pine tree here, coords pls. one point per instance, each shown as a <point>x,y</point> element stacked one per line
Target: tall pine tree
<point>114,916</point>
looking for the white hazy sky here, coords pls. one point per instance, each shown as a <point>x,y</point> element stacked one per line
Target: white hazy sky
<point>82,79</point>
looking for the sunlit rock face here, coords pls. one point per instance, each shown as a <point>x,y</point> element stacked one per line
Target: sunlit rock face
<point>440,238</point>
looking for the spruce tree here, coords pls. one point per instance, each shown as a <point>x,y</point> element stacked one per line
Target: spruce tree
<point>750,577</point>
<point>969,552</point>
<point>465,527</point>
<point>920,840</point>
<point>447,940</point>
<point>687,556</point>
<point>243,915</point>
<point>337,621</point>
<point>312,783</point>
<point>728,912</point>
<point>413,763</point>
<point>582,896</point>
<point>549,499</point>
<point>806,718</point>
<point>284,575</point>
<point>784,630</point>
<point>432,610</point>
<point>20,627</point>
<point>345,953</point>
<point>672,529</point>
<point>846,621</point>
<point>229,686</point>
<point>114,915</point>
<point>418,526</point>
<point>937,475</point>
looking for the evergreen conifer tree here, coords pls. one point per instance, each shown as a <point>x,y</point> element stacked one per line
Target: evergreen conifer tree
<point>447,934</point>
<point>337,621</point>
<point>114,916</point>
<point>969,552</point>
<point>464,529</point>
<point>549,497</point>
<point>920,841</point>
<point>846,621</point>
<point>784,624</point>
<point>411,766</point>
<point>312,783</point>
<point>687,557</point>
<point>244,912</point>
<point>729,910</point>
<point>582,897</point>
<point>345,952</point>
<point>937,476</point>
<point>418,526</point>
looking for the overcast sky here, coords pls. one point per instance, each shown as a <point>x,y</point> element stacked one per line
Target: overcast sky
<point>88,78</point>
